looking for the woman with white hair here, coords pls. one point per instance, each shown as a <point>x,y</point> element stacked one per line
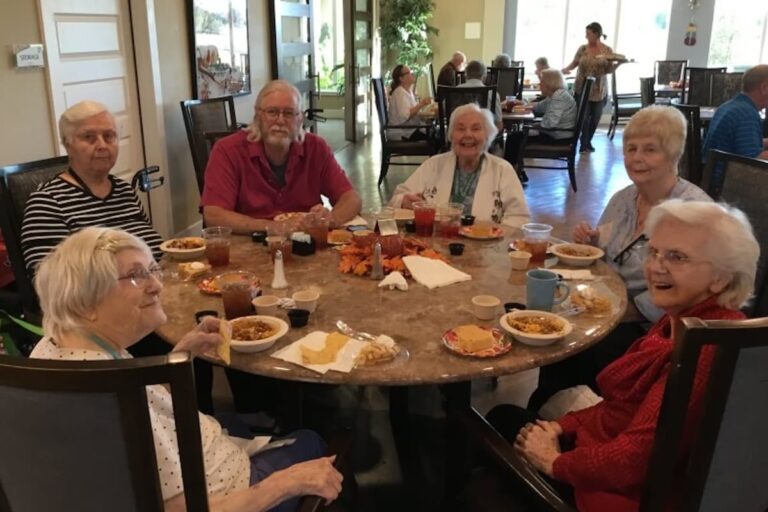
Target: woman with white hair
<point>654,139</point>
<point>485,184</point>
<point>700,262</point>
<point>86,194</point>
<point>99,292</point>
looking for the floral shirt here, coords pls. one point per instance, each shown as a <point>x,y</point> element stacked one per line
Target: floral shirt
<point>591,65</point>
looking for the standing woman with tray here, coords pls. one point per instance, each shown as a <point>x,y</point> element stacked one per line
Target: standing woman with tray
<point>591,59</point>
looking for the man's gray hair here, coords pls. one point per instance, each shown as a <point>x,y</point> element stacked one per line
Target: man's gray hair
<point>78,274</point>
<point>254,131</point>
<point>502,60</point>
<point>490,127</point>
<point>475,69</point>
<point>77,113</point>
<point>731,247</point>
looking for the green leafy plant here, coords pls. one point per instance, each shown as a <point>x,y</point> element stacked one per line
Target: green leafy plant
<point>405,31</point>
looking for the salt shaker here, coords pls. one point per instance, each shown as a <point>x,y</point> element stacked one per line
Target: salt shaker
<point>278,280</point>
<point>377,272</point>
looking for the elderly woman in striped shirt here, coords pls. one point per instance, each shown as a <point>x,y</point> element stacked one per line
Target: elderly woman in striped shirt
<point>85,194</point>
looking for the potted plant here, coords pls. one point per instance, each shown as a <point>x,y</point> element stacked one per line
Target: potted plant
<point>404,33</point>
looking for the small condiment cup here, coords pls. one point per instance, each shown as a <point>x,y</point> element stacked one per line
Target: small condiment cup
<point>511,306</point>
<point>298,317</point>
<point>467,220</point>
<point>206,312</point>
<point>520,259</point>
<point>484,306</point>
<point>456,248</point>
<point>306,299</point>
<point>266,305</point>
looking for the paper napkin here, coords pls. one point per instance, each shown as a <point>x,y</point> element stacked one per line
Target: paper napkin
<point>433,273</point>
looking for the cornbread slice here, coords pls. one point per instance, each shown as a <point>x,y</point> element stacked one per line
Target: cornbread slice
<point>334,342</point>
<point>223,349</point>
<point>472,338</point>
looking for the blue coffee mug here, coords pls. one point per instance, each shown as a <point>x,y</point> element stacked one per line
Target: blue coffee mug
<point>541,286</point>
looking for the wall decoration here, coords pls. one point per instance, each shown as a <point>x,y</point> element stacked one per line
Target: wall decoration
<point>690,31</point>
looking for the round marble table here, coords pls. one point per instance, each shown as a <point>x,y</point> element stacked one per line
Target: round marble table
<point>416,319</point>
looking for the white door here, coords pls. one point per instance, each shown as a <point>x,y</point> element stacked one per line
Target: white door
<point>90,56</point>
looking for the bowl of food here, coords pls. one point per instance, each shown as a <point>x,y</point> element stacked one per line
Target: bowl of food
<point>577,255</point>
<point>256,333</point>
<point>536,328</point>
<point>185,248</point>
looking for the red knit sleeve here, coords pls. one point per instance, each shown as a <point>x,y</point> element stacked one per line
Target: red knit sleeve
<point>571,421</point>
<point>621,464</point>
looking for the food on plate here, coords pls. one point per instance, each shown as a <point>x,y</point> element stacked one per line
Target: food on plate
<point>375,353</point>
<point>223,348</point>
<point>249,329</point>
<point>192,269</point>
<point>594,303</point>
<point>281,217</point>
<point>579,251</point>
<point>530,324</point>
<point>359,260</point>
<point>334,342</point>
<point>339,236</point>
<point>473,338</point>
<point>186,243</point>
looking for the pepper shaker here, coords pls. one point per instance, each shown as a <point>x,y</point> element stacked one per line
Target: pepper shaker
<point>377,272</point>
<point>278,280</point>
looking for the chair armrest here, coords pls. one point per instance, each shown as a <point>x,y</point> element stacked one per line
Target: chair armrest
<point>339,444</point>
<point>505,456</point>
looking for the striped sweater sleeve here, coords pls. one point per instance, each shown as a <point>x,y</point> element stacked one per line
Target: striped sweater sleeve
<point>44,226</point>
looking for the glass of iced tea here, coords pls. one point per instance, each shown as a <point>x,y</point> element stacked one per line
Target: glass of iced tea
<point>237,294</point>
<point>217,245</point>
<point>424,217</point>
<point>536,238</point>
<point>279,237</point>
<point>448,220</point>
<point>317,227</point>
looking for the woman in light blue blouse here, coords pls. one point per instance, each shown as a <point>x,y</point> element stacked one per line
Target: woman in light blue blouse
<point>654,140</point>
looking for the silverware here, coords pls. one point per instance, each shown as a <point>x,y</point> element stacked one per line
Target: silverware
<point>362,336</point>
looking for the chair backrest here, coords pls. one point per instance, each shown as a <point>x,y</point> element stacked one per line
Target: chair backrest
<point>508,81</point>
<point>725,86</point>
<point>17,182</point>
<point>666,71</point>
<point>741,181</point>
<point>647,93</point>
<point>581,116</point>
<point>432,86</point>
<point>449,98</point>
<point>200,116</point>
<point>728,458</point>
<point>689,166</point>
<point>380,97</point>
<point>699,82</point>
<point>80,434</point>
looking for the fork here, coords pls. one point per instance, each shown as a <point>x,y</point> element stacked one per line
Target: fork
<point>346,329</point>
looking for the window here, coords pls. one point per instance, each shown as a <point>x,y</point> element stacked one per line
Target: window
<point>739,34</point>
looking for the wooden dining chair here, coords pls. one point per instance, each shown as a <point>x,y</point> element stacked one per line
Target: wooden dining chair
<point>647,94</point>
<point>624,104</point>
<point>699,85</point>
<point>690,167</point>
<point>728,458</point>
<point>668,71</point>
<point>725,86</point>
<point>508,81</point>
<point>450,98</point>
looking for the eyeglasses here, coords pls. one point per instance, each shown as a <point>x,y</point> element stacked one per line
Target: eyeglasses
<point>670,259</point>
<point>623,256</point>
<point>274,113</point>
<point>139,277</point>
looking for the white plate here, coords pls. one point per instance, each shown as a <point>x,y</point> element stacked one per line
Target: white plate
<point>536,340</point>
<point>264,344</point>
<point>577,261</point>
<point>594,289</point>
<point>183,254</point>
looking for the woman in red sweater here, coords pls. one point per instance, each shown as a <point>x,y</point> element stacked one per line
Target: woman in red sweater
<point>701,262</point>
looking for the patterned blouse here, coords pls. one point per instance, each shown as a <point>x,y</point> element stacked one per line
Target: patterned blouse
<point>591,65</point>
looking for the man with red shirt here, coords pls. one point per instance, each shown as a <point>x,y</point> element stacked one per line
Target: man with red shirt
<point>274,167</point>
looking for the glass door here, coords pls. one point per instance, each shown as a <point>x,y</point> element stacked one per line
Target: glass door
<point>358,20</point>
<point>293,56</point>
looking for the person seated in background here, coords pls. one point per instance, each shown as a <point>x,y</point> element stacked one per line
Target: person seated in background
<point>403,106</point>
<point>700,262</point>
<point>736,126</point>
<point>85,194</point>
<point>485,184</point>
<point>447,74</point>
<point>273,167</point>
<point>502,60</point>
<point>99,291</point>
<point>476,78</point>
<point>558,112</point>
<point>541,64</point>
<point>654,140</point>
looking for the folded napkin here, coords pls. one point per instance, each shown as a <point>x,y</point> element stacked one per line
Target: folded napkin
<point>345,359</point>
<point>357,221</point>
<point>575,275</point>
<point>394,280</point>
<point>433,273</point>
<point>251,446</point>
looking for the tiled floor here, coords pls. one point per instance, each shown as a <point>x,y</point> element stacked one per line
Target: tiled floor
<point>375,462</point>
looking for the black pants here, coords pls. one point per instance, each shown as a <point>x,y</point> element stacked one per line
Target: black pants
<point>594,113</point>
<point>583,368</point>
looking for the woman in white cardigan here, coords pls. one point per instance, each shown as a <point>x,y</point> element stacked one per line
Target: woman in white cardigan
<point>485,184</point>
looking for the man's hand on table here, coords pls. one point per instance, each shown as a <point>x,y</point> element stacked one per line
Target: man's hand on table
<point>202,338</point>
